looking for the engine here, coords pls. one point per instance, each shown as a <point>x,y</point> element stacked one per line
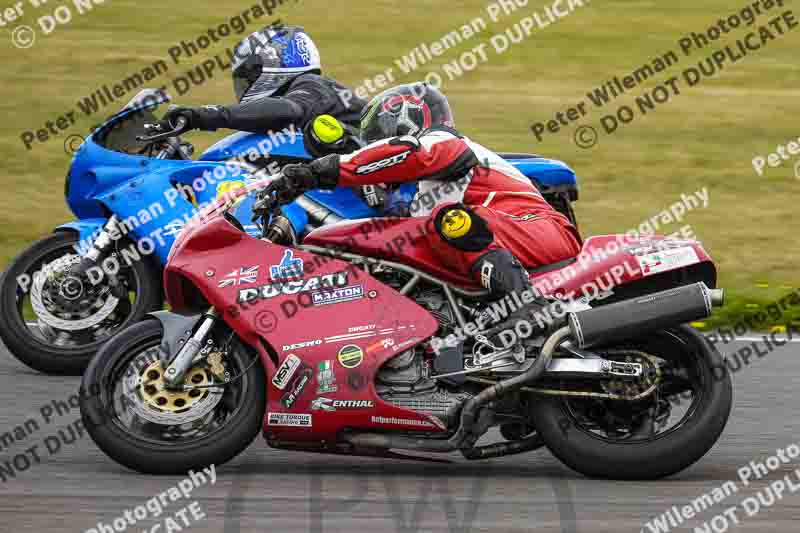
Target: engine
<point>405,381</point>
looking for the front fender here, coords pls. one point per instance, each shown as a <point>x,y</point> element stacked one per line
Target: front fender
<point>177,330</point>
<point>87,230</point>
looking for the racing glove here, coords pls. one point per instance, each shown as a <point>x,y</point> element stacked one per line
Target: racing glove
<point>299,178</point>
<point>197,118</point>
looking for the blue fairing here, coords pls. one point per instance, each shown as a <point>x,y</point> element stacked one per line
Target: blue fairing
<point>143,192</point>
<point>547,173</point>
<point>280,144</point>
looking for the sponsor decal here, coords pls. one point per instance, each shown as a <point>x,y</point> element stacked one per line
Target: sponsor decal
<point>298,386</point>
<point>242,276</point>
<point>392,421</point>
<point>383,163</point>
<point>336,296</point>
<point>227,187</point>
<point>328,405</point>
<point>350,356</point>
<point>486,274</point>
<point>301,345</point>
<point>289,268</point>
<point>290,288</point>
<point>667,260</point>
<point>374,195</point>
<point>382,344</point>
<point>326,378</point>
<point>645,247</point>
<point>289,419</point>
<point>356,381</point>
<point>524,218</point>
<point>409,342</point>
<point>358,329</point>
<point>286,371</point>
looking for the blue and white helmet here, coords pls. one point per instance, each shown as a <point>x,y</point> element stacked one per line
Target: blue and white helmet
<point>266,61</point>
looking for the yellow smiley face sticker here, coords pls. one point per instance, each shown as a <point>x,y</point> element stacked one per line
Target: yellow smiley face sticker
<point>456,223</point>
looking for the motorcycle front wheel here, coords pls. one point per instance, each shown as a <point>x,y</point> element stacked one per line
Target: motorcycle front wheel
<point>656,435</point>
<point>54,320</point>
<point>141,424</point>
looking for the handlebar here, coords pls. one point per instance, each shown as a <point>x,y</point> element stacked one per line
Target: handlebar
<point>178,127</point>
<point>266,204</point>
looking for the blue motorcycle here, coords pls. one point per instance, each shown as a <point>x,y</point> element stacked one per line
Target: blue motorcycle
<point>132,191</point>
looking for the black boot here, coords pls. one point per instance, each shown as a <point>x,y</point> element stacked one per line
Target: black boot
<point>514,299</point>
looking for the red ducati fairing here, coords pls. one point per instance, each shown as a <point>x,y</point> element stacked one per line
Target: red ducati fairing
<point>324,331</point>
<point>332,334</point>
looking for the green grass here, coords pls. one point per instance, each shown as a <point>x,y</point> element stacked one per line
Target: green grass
<point>705,137</point>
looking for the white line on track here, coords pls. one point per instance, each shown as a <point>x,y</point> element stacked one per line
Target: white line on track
<point>756,339</point>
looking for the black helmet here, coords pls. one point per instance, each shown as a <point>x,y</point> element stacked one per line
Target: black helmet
<point>266,61</point>
<point>405,110</point>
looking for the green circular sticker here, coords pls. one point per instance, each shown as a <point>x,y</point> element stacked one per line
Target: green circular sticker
<point>350,356</point>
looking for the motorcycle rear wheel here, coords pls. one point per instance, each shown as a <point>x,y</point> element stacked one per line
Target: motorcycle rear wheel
<point>124,418</point>
<point>56,351</point>
<point>585,434</point>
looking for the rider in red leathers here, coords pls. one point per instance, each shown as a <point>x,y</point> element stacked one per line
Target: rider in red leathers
<point>490,221</point>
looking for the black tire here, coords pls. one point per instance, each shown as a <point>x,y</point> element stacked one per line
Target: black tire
<point>63,360</point>
<point>592,456</point>
<point>160,458</point>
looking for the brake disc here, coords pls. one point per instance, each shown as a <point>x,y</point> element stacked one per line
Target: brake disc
<point>56,292</point>
<point>149,398</point>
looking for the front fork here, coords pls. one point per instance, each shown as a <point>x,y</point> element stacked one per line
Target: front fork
<point>101,248</point>
<point>189,350</point>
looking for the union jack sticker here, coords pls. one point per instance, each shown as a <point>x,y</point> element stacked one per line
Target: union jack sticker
<point>240,277</point>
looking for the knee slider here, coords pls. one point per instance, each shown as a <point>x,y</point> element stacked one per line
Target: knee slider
<point>463,229</point>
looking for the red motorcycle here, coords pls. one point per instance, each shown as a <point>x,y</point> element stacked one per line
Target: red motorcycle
<point>359,342</point>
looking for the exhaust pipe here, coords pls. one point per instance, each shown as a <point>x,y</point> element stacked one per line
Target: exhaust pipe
<point>471,428</point>
<point>717,297</point>
<point>632,318</point>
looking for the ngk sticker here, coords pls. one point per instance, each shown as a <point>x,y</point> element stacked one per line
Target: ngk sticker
<point>286,371</point>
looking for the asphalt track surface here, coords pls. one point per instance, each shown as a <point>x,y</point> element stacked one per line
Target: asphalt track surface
<point>276,491</point>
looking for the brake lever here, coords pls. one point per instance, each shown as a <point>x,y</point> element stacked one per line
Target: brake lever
<point>178,129</point>
<point>265,207</point>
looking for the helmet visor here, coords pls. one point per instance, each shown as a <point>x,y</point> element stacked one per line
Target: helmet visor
<point>393,115</point>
